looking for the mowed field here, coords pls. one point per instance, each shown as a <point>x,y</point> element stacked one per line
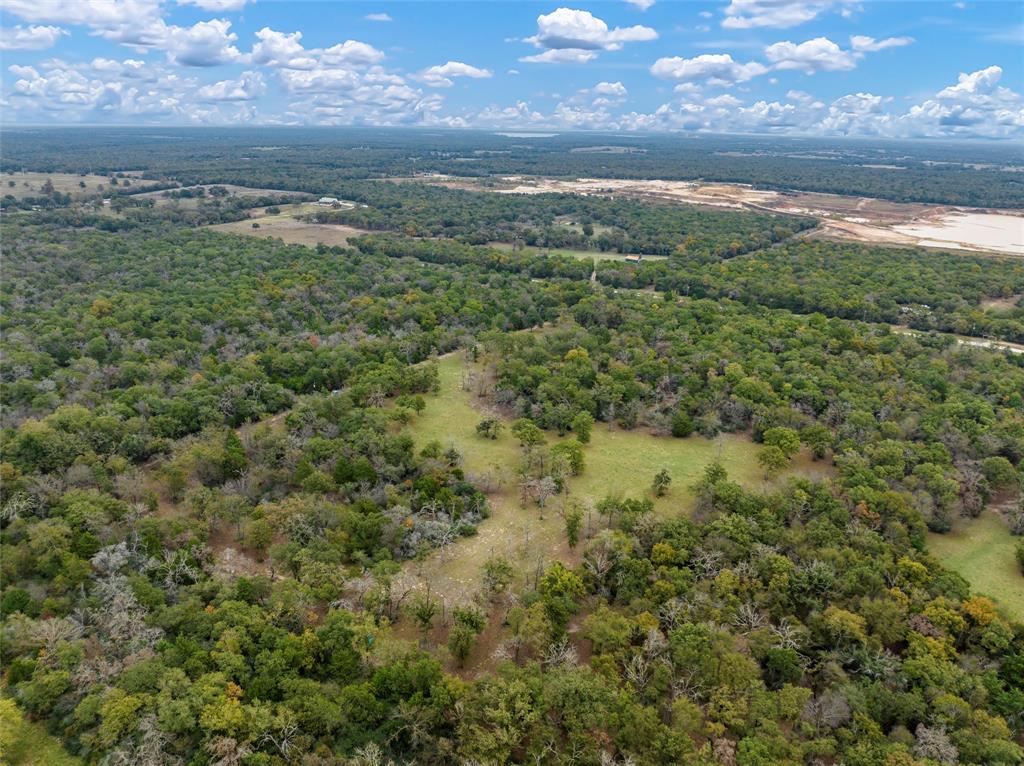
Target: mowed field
<point>31,184</point>
<point>286,226</point>
<point>982,550</point>
<point>617,462</point>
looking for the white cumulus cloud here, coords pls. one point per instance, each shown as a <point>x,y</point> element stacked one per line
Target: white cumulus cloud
<point>572,36</point>
<point>616,89</point>
<point>817,55</point>
<point>205,43</point>
<point>440,76</point>
<point>712,68</point>
<point>248,87</point>
<point>36,37</point>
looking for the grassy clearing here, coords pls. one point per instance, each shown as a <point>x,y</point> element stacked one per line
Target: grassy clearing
<point>162,198</point>
<point>30,184</point>
<point>286,226</point>
<point>23,743</point>
<point>1001,305</point>
<point>583,255</point>
<point>617,461</point>
<point>981,550</point>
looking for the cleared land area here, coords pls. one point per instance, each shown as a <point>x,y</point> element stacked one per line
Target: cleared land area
<point>861,218</point>
<point>164,195</point>
<point>964,340</point>
<point>981,550</point>
<point>30,184</point>
<point>970,231</point>
<point>1000,305</point>
<point>287,227</point>
<point>617,462</point>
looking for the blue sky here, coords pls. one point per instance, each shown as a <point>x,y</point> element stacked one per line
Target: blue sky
<point>801,67</point>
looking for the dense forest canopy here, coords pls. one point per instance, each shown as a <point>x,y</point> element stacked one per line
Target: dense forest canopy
<point>219,514</point>
<point>559,220</point>
<point>924,289</point>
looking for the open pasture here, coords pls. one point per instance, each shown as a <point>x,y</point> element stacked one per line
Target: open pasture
<point>617,462</point>
<point>982,550</point>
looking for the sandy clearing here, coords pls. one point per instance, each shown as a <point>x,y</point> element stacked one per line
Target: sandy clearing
<point>718,195</point>
<point>969,231</point>
<point>864,219</point>
<point>846,229</point>
<point>966,340</point>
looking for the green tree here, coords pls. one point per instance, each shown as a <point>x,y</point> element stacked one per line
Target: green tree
<point>423,609</point>
<point>527,433</point>
<point>582,426</point>
<point>573,516</point>
<point>560,590</point>
<point>489,428</point>
<point>260,535</point>
<point>661,483</point>
<point>497,575</point>
<point>468,623</point>
<point>773,460</point>
<point>818,439</point>
<point>785,439</point>
<point>571,451</point>
<point>234,462</point>
<point>682,424</point>
<point>1000,472</point>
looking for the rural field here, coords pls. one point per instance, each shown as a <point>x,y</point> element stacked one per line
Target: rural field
<point>618,462</point>
<point>162,196</point>
<point>287,227</point>
<point>982,550</point>
<point>30,184</point>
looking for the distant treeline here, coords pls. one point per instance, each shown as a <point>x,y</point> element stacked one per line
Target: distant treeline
<point>317,160</point>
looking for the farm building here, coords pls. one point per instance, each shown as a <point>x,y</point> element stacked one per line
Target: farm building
<point>327,201</point>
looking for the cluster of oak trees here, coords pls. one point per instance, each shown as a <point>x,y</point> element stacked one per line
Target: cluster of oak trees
<point>924,289</point>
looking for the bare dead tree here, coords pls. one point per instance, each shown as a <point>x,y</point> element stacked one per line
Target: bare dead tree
<point>227,751</point>
<point>283,741</point>
<point>748,618</point>
<point>560,653</point>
